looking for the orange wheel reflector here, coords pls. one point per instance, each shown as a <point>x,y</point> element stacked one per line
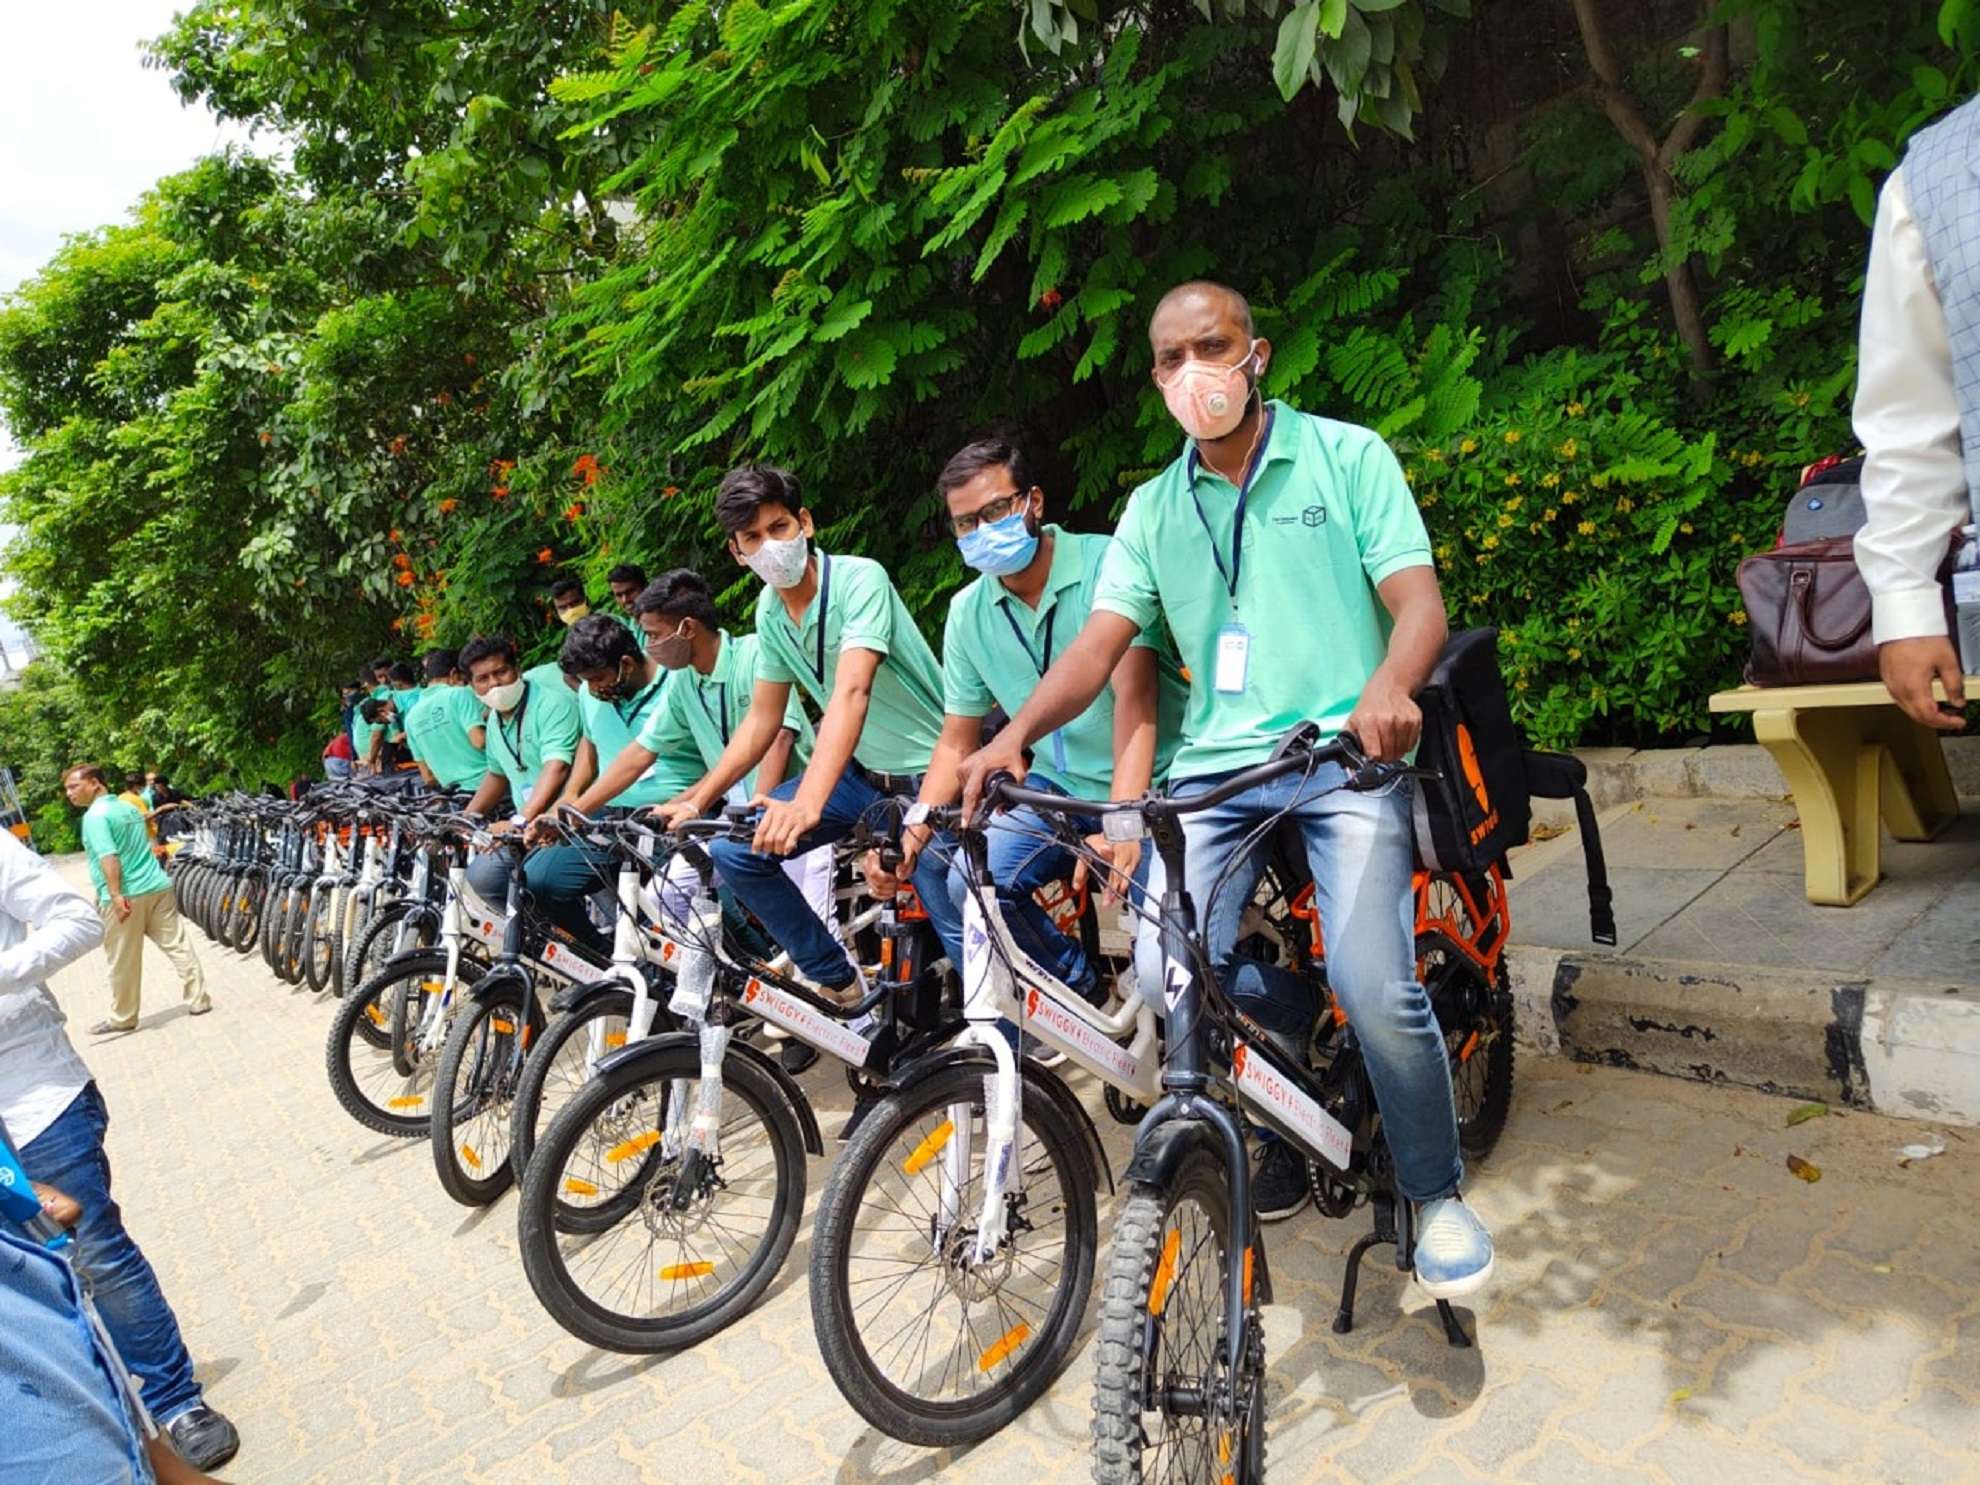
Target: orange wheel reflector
<point>507,1028</point>
<point>579,1188</point>
<point>375,1016</point>
<point>468,1154</point>
<point>406,1101</point>
<point>638,1144</point>
<point>1470,1046</point>
<point>1247,1276</point>
<point>1224,1448</point>
<point>679,1271</point>
<point>432,987</point>
<point>1165,1272</point>
<point>928,1148</point>
<point>615,1038</point>
<point>1006,1343</point>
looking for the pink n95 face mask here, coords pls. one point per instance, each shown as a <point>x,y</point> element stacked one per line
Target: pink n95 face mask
<point>1207,397</point>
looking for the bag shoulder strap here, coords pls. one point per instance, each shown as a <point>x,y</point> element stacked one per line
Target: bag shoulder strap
<point>1563,776</point>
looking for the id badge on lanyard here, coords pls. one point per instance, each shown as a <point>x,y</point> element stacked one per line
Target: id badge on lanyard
<point>1233,658</point>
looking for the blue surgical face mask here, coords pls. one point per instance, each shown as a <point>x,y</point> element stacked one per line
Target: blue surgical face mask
<point>1001,547</point>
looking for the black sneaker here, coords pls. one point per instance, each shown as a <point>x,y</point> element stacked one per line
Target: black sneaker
<point>205,1439</point>
<point>797,1056</point>
<point>1280,1185</point>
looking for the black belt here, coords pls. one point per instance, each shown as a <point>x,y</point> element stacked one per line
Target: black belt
<point>906,784</point>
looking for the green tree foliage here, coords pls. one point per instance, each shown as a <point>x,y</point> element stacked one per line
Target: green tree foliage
<point>539,274</point>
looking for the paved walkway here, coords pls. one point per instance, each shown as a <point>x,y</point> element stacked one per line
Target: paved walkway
<point>1672,1305</point>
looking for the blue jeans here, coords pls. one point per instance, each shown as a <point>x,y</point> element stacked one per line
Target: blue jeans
<point>1024,857</point>
<point>69,1155</point>
<point>1359,849</point>
<point>560,878</point>
<point>761,885</point>
<point>68,1418</point>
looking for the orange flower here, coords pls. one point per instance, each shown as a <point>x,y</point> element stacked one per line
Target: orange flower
<point>448,506</point>
<point>670,492</point>
<point>398,626</point>
<point>266,438</point>
<point>587,468</point>
<point>499,468</point>
<point>574,510</point>
<point>424,624</point>
<point>500,492</point>
<point>444,399</point>
<point>468,357</point>
<point>405,580</point>
<point>402,561</point>
<point>545,557</point>
<point>393,534</point>
<point>397,446</point>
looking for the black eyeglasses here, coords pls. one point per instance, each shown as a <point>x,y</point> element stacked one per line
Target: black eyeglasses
<point>989,513</point>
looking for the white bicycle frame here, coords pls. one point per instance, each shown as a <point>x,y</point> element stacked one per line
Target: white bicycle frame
<point>1120,1048</point>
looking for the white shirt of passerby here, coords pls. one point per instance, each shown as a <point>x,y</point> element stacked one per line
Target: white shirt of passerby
<point>40,1073</point>
<point>1907,418</point>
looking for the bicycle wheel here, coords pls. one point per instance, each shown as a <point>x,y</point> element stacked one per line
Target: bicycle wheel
<point>289,936</point>
<point>346,929</point>
<point>359,1053</point>
<point>1163,1403</point>
<point>250,905</point>
<point>1475,1014</point>
<point>319,949</point>
<point>374,943</point>
<point>928,1346</point>
<point>561,1062</point>
<point>684,1243</point>
<point>474,1093</point>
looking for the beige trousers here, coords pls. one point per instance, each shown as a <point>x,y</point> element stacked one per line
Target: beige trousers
<point>153,916</point>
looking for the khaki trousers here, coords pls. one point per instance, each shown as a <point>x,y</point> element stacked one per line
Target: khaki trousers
<point>156,917</point>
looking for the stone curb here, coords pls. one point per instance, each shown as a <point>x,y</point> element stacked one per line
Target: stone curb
<point>1723,771</point>
<point>1902,1048</point>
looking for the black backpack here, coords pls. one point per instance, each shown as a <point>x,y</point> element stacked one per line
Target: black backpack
<point>1482,805</point>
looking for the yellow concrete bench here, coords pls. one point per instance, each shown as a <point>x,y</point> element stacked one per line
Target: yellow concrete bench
<point>1850,758</point>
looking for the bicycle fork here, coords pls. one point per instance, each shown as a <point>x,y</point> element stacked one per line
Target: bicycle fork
<point>986,983</point>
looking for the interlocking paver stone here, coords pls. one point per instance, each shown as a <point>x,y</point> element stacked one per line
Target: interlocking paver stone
<point>361,1327</point>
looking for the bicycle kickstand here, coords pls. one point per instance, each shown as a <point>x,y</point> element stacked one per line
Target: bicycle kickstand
<point>1385,1231</point>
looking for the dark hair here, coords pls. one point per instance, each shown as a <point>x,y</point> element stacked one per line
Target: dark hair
<point>87,770</point>
<point>133,781</point>
<point>565,589</point>
<point>627,572</point>
<point>985,453</point>
<point>680,594</point>
<point>439,663</point>
<point>383,662</point>
<point>747,489</point>
<point>371,709</point>
<point>487,647</point>
<point>402,672</point>
<point>597,642</point>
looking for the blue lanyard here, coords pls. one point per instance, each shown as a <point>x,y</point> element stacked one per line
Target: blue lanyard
<point>720,716</point>
<point>824,609</point>
<point>1230,574</point>
<point>640,702</point>
<point>502,731</point>
<point>1040,665</point>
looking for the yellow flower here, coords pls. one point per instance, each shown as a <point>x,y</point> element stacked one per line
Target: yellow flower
<point>1569,497</point>
<point>1443,551</point>
<point>1504,520</point>
<point>1575,409</point>
<point>1801,399</point>
<point>1469,446</point>
<point>1573,622</point>
<point>1600,481</point>
<point>1511,480</point>
<point>1739,616</point>
<point>1513,435</point>
<point>1435,456</point>
<point>1520,684</point>
<point>1550,479</point>
<point>1751,459</point>
<point>1685,527</point>
<point>1491,542</point>
<point>1515,503</point>
<point>1533,526</point>
<point>1574,652</point>
<point>1568,449</point>
<point>1549,513</point>
<point>1625,504</point>
<point>1586,528</point>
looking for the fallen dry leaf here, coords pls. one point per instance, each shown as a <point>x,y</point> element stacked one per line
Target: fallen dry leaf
<point>1802,1170</point>
<point>1566,1103</point>
<point>1547,832</point>
<point>1735,831</point>
<point>1805,1112</point>
<point>1880,1268</point>
<point>1680,1395</point>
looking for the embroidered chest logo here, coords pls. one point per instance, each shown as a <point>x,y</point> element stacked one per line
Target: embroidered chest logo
<point>1312,518</point>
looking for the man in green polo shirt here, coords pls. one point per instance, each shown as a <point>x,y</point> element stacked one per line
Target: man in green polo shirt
<point>1318,604</point>
<point>134,895</point>
<point>1004,630</point>
<point>626,582</point>
<point>363,730</point>
<point>389,751</point>
<point>532,737</point>
<point>445,729</point>
<point>835,627</point>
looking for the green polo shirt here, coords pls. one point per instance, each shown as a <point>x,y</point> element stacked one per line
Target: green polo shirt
<point>860,611</point>
<point>362,732</point>
<point>405,701</point>
<point>700,713</point>
<point>996,647</point>
<point>437,733</point>
<point>1327,517</point>
<point>612,725</point>
<point>111,827</point>
<point>549,729</point>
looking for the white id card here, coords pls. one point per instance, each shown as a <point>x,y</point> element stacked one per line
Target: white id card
<point>1233,659</point>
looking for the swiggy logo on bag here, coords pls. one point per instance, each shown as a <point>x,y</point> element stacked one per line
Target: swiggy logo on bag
<point>1475,776</point>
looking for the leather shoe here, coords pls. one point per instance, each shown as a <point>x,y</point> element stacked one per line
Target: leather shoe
<point>204,1438</point>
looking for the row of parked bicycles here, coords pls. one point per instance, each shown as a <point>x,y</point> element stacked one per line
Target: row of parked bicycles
<point>642,1102</point>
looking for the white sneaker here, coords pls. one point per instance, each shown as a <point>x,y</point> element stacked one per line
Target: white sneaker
<point>1453,1249</point>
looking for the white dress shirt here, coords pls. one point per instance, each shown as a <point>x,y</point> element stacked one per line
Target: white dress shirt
<point>1907,418</point>
<point>40,1073</point>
